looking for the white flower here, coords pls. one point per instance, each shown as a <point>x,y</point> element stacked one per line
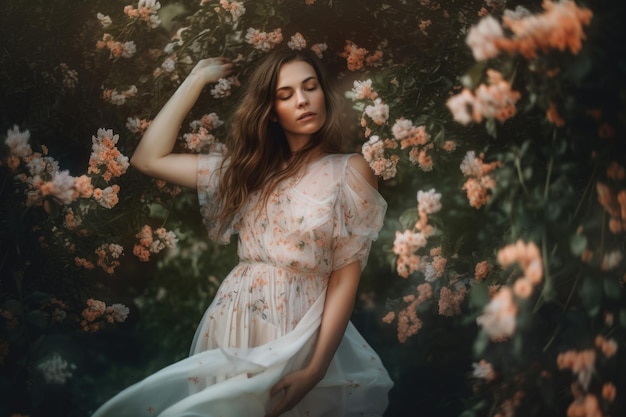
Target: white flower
<point>481,38</point>
<point>129,49</point>
<point>169,65</point>
<point>119,312</point>
<point>379,112</point>
<point>63,186</point>
<point>297,42</point>
<point>429,201</point>
<point>237,10</point>
<point>18,142</point>
<point>363,90</point>
<point>56,370</point>
<point>402,128</point>
<point>373,149</point>
<point>499,316</point>
<point>611,260</point>
<point>520,12</point>
<point>471,166</point>
<point>460,105</point>
<point>105,21</point>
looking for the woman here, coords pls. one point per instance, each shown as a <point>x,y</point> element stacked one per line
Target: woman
<point>276,340</point>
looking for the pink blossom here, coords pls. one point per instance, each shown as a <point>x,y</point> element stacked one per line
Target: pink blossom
<point>354,55</point>
<point>389,317</point>
<point>499,316</point>
<point>483,370</point>
<point>107,197</point>
<point>319,49</point>
<point>450,300</point>
<point>429,201</point>
<point>482,38</point>
<point>363,90</point>
<point>297,42</point>
<point>262,40</point>
<point>378,112</point>
<point>373,149</point>
<point>582,364</point>
<point>61,187</point>
<point>224,86</point>
<point>435,269</point>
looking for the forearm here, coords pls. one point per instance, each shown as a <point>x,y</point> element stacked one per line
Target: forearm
<point>160,138</point>
<point>340,298</point>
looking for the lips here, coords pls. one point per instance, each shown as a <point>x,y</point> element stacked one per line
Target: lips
<point>306,115</point>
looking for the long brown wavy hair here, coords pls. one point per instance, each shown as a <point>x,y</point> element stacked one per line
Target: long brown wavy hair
<point>259,156</point>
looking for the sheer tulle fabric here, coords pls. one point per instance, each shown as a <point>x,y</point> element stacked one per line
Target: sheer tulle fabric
<point>264,319</point>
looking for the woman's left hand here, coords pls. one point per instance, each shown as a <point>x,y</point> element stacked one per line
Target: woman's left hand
<point>294,387</point>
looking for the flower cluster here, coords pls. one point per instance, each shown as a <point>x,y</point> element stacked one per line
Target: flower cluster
<point>614,203</point>
<point>529,259</point>
<point>264,41</point>
<point>415,138</point>
<point>408,323</point>
<point>479,183</point>
<point>45,179</point>
<point>224,86</point>
<point>147,11</point>
<point>495,101</point>
<point>236,8</point>
<point>119,98</point>
<point>98,313</point>
<point>70,76</point>
<point>499,315</point>
<point>116,49</point>
<point>356,57</point>
<point>374,153</point>
<point>559,27</point>
<point>106,160</point>
<point>583,366</point>
<point>56,370</point>
<point>200,139</point>
<point>153,242</point>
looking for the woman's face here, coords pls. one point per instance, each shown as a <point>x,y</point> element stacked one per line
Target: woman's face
<point>299,103</point>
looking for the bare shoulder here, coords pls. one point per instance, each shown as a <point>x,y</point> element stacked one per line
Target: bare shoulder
<point>359,163</point>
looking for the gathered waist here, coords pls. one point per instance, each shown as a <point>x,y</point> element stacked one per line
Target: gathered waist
<point>286,268</point>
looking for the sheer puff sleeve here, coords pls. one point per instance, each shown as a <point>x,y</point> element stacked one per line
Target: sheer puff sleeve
<point>209,174</point>
<point>359,214</point>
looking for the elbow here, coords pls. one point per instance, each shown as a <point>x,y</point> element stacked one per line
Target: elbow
<point>139,164</point>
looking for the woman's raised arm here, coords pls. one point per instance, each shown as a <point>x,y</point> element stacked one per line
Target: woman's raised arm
<point>153,155</point>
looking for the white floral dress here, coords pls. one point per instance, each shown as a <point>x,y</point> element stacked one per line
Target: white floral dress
<point>264,319</point>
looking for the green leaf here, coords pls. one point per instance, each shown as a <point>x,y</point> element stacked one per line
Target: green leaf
<point>481,343</point>
<point>622,317</point>
<point>157,211</point>
<point>577,244</point>
<point>479,296</point>
<point>612,289</point>
<point>591,295</point>
<point>409,218</point>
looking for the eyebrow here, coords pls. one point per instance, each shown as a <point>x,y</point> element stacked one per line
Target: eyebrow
<point>306,80</point>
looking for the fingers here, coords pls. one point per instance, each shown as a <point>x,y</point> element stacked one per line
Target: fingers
<point>280,385</point>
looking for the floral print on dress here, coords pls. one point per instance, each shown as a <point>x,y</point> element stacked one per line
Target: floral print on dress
<point>263,321</point>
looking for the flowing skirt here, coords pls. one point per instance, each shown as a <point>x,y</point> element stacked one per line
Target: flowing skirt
<point>235,381</point>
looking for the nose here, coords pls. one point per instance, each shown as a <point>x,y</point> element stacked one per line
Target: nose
<point>302,99</point>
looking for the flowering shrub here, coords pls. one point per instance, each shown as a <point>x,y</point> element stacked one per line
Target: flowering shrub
<point>493,126</point>
<point>548,244</point>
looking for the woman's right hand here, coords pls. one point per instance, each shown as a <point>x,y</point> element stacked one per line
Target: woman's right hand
<point>210,70</point>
